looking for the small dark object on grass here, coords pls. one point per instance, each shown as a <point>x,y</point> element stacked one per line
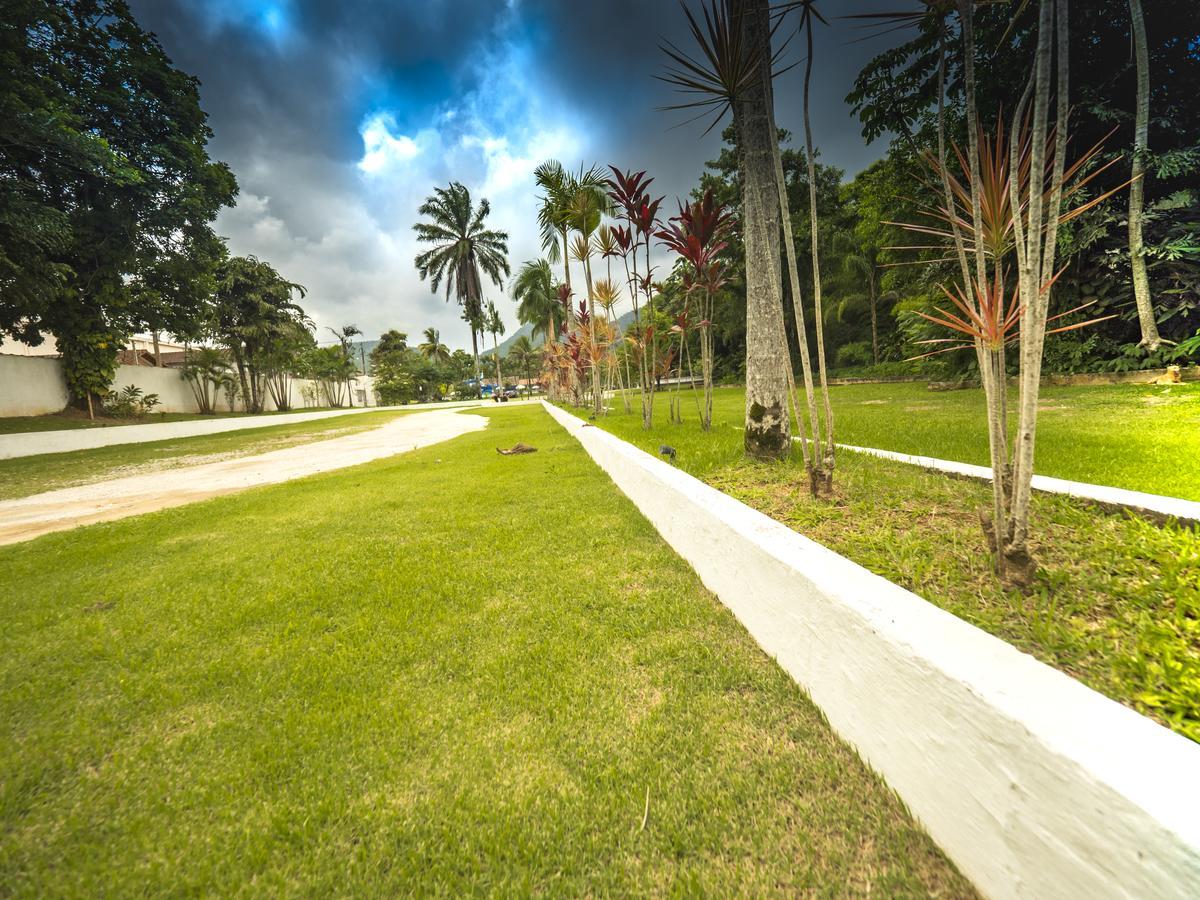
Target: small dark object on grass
<point>517,448</point>
<point>666,450</point>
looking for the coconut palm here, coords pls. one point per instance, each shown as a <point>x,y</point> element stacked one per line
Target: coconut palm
<point>432,348</point>
<point>537,297</point>
<point>523,356</point>
<point>493,324</point>
<point>733,71</point>
<point>462,249</point>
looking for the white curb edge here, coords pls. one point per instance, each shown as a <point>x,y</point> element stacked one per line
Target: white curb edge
<point>1159,506</point>
<point>1035,785</point>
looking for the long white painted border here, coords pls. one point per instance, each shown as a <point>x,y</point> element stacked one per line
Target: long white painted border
<point>1035,785</point>
<point>1156,504</point>
<point>34,443</point>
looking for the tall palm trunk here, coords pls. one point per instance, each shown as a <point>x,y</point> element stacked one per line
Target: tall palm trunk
<point>871,289</point>
<point>768,431</point>
<point>597,392</point>
<point>1137,189</point>
<point>496,353</point>
<point>827,463</point>
<point>811,455</point>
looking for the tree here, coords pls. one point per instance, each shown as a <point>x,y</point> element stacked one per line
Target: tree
<point>493,324</point>
<point>536,294</point>
<point>253,309</point>
<point>106,187</point>
<point>331,368</point>
<point>432,347</point>
<point>734,70</point>
<point>392,368</point>
<point>1137,188</point>
<point>524,355</point>
<point>343,338</point>
<point>768,431</point>
<point>391,341</point>
<point>462,249</point>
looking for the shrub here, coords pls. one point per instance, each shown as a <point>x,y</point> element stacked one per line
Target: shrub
<point>130,402</point>
<point>857,353</point>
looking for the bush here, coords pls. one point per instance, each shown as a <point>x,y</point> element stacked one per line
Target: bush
<point>130,402</point>
<point>857,353</point>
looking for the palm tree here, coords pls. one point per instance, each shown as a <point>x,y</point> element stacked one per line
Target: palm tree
<point>537,297</point>
<point>462,249</point>
<point>433,349</point>
<point>733,71</point>
<point>495,325</point>
<point>523,355</point>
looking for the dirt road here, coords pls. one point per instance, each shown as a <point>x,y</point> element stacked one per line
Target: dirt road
<point>28,517</point>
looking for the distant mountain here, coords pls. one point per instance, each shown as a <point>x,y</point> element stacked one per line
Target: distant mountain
<point>506,344</point>
<point>362,351</point>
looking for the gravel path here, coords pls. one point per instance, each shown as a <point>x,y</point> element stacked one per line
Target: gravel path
<point>28,517</point>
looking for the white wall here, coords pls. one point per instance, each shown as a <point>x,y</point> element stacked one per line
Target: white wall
<point>31,385</point>
<point>34,386</point>
<point>1035,785</point>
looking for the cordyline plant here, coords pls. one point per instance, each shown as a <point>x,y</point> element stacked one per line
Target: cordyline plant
<point>698,235</point>
<point>629,193</point>
<point>982,227</point>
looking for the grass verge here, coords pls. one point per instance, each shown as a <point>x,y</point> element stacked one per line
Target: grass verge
<point>71,419</point>
<point>449,672</point>
<point>26,475</point>
<point>1117,599</point>
<point>1134,436</point>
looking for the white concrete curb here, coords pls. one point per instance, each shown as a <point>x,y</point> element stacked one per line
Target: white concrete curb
<point>1035,785</point>
<point>33,443</point>
<point>1157,505</point>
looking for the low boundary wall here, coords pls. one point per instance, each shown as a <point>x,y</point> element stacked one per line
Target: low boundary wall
<point>1035,785</point>
<point>34,386</point>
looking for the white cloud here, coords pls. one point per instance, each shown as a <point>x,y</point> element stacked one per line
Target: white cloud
<point>382,148</point>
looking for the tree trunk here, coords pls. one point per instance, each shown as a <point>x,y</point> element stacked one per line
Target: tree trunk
<point>874,316</point>
<point>157,354</point>
<point>811,455</point>
<point>1137,189</point>
<point>827,462</point>
<point>1036,253</point>
<point>475,356</point>
<point>768,430</point>
<point>496,353</point>
<point>597,392</point>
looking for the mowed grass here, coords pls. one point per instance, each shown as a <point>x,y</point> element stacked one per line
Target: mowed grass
<point>71,419</point>
<point>445,673</point>
<point>1117,599</point>
<point>1140,437</point>
<point>26,475</point>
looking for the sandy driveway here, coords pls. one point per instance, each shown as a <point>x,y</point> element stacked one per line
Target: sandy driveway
<point>28,517</point>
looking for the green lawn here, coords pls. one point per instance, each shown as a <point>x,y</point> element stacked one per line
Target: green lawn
<point>72,419</point>
<point>1140,437</point>
<point>27,475</point>
<point>445,673</point>
<point>1117,603</point>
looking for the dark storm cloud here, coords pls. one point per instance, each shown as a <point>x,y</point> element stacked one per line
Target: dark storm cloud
<point>339,117</point>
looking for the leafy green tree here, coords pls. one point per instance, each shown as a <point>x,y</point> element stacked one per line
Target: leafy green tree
<point>254,311</point>
<point>463,250</point>
<point>106,187</point>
